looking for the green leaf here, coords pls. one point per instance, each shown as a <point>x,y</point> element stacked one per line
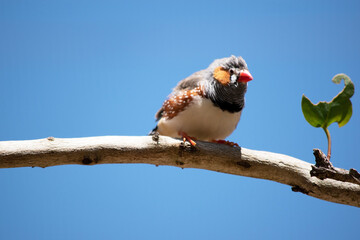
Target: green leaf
<point>339,109</point>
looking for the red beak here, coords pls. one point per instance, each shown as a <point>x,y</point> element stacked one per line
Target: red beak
<point>245,76</point>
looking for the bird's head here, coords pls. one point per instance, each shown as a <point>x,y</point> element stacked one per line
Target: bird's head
<point>230,71</point>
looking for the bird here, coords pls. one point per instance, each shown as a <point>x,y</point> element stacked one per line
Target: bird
<point>207,105</point>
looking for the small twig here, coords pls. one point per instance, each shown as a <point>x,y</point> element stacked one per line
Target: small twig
<point>321,160</point>
<point>324,169</point>
<point>355,175</point>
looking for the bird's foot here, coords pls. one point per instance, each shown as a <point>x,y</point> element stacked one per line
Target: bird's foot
<point>231,144</point>
<point>186,137</point>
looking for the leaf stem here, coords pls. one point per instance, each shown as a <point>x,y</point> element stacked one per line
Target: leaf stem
<point>329,143</point>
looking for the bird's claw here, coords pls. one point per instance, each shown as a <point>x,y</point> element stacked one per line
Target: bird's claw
<point>185,138</point>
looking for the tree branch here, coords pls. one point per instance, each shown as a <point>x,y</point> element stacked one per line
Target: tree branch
<point>171,152</point>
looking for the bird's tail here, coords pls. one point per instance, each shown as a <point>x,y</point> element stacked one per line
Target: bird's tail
<point>154,131</point>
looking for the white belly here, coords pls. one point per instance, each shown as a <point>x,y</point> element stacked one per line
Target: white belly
<point>201,120</point>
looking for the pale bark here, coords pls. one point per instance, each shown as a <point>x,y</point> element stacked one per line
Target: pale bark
<point>171,152</point>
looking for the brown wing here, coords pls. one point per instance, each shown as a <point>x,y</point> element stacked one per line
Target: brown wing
<point>187,84</point>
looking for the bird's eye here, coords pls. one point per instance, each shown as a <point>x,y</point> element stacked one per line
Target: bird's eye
<point>231,72</point>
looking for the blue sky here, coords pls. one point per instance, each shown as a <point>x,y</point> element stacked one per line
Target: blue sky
<point>94,68</point>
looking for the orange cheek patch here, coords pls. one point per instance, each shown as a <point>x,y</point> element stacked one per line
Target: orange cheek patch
<point>222,75</point>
